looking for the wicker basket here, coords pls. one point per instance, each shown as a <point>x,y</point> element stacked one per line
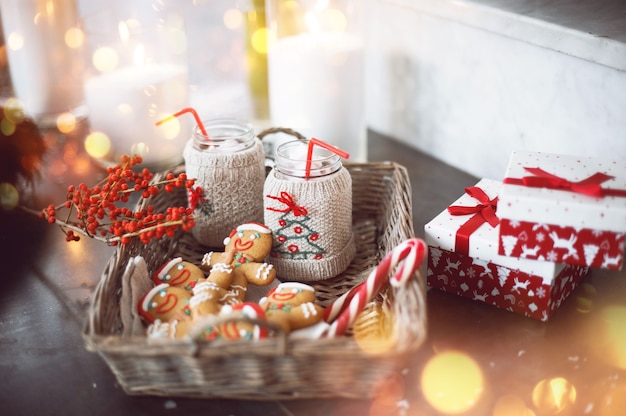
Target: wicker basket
<point>276,368</point>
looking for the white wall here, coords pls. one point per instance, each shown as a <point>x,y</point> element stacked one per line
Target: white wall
<point>469,96</point>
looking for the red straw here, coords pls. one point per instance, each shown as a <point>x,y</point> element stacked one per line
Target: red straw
<point>309,155</point>
<point>183,111</point>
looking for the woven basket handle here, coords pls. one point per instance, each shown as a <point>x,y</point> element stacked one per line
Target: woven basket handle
<point>269,159</point>
<point>273,130</point>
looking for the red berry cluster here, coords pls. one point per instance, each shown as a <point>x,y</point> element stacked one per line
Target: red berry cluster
<point>97,214</point>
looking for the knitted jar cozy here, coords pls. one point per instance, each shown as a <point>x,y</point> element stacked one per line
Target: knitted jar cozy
<point>232,190</point>
<point>311,221</point>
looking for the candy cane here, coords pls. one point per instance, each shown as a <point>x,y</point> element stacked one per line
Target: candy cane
<point>344,310</point>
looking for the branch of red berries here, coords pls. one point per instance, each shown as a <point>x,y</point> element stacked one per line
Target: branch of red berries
<point>94,211</point>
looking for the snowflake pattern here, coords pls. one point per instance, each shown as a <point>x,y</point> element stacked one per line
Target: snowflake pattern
<point>514,290</point>
<point>552,256</point>
<point>596,233</point>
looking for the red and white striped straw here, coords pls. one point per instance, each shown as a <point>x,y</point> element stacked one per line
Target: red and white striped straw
<point>342,313</point>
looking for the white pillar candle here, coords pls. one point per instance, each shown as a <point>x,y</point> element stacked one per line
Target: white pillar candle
<point>126,103</point>
<point>316,87</point>
<point>45,63</point>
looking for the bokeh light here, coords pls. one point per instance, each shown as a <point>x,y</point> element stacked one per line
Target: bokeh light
<point>511,405</point>
<point>105,59</point>
<point>13,114</point>
<point>291,4</point>
<point>140,149</point>
<point>258,40</point>
<point>97,144</point>
<point>124,110</point>
<point>169,130</point>
<point>66,122</point>
<point>7,127</point>
<point>81,164</point>
<point>335,20</point>
<point>150,90</point>
<point>15,41</point>
<point>452,382</point>
<point>614,335</point>
<point>584,299</point>
<point>50,5</point>
<point>387,394</point>
<point>374,329</point>
<point>9,196</point>
<point>74,38</point>
<point>233,19</point>
<point>554,395</point>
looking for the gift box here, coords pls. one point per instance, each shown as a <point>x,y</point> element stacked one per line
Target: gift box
<point>564,209</point>
<point>463,259</point>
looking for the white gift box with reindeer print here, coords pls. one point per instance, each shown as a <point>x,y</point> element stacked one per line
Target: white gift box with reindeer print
<point>564,208</point>
<point>463,259</point>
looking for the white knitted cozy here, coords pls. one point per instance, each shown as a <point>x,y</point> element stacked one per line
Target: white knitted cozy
<point>232,190</point>
<point>311,223</point>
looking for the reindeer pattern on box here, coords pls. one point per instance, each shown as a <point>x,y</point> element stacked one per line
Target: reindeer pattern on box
<point>593,248</point>
<point>513,290</point>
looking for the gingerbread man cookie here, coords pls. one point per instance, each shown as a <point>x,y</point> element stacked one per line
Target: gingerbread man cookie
<point>291,306</point>
<point>166,321</point>
<point>165,303</point>
<point>207,299</point>
<point>241,262</point>
<point>164,312</point>
<point>238,328</point>
<point>178,272</point>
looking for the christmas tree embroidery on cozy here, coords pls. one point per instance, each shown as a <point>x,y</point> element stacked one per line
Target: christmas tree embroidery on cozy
<point>294,237</point>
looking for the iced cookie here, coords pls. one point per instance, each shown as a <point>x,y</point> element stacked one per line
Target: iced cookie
<point>292,306</point>
<point>242,329</point>
<point>180,273</point>
<point>241,262</point>
<point>165,302</point>
<point>237,328</point>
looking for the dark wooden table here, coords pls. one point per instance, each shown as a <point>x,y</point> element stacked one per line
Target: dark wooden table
<point>575,364</point>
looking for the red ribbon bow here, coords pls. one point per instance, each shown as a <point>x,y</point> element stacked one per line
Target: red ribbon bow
<point>195,196</point>
<point>589,186</point>
<point>483,212</point>
<point>287,199</point>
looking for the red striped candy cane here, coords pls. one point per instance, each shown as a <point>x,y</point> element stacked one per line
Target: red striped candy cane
<point>342,313</point>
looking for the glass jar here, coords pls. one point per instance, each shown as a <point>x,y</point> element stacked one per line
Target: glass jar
<point>309,210</point>
<point>228,165</point>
